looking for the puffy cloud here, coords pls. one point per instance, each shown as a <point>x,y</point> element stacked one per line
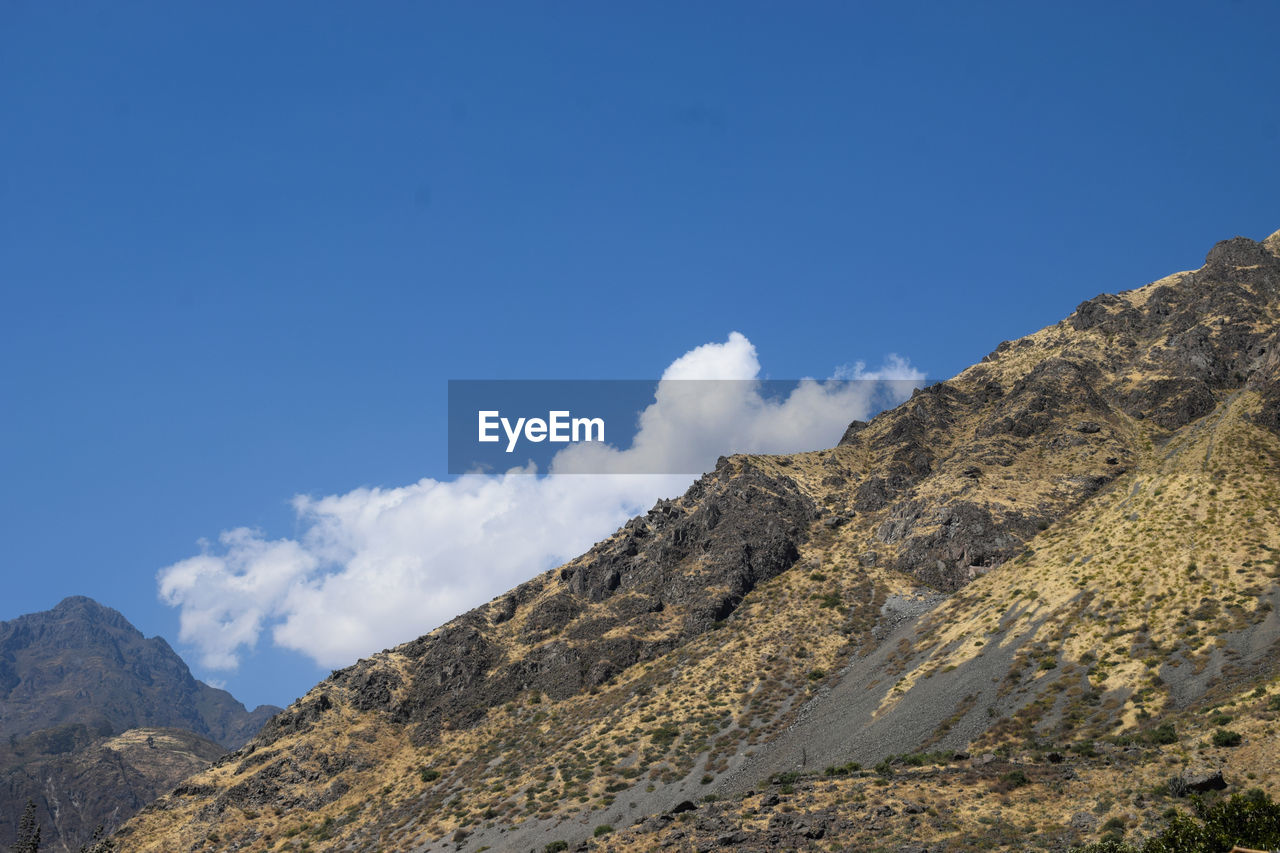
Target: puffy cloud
<point>227,598</point>
<point>375,567</point>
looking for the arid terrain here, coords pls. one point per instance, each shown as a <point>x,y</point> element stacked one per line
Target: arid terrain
<point>1034,604</point>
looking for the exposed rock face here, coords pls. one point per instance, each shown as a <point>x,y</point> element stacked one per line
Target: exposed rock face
<point>1203,781</point>
<point>1195,336</point>
<point>697,557</point>
<point>1265,381</point>
<point>1168,358</point>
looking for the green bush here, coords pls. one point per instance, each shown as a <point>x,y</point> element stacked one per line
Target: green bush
<point>1250,819</point>
<point>1014,779</point>
<point>1084,748</point>
<point>556,847</point>
<point>1226,737</point>
<point>603,829</point>
<point>1162,735</point>
<point>665,734</point>
<point>843,769</point>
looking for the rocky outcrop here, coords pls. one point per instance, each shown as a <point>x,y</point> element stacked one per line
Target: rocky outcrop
<point>697,556</point>
<point>1195,335</point>
<point>1168,356</point>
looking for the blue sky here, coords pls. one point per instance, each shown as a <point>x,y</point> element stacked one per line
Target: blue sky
<point>243,247</point>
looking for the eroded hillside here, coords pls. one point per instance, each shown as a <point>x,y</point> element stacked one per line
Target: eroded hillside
<point>84,782</point>
<point>1073,540</point>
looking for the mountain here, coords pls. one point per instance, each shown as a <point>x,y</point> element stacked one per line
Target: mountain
<point>84,663</point>
<point>97,720</point>
<point>1033,604</point>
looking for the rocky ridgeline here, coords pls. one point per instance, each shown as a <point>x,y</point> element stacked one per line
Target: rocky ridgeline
<point>950,485</point>
<point>693,559</point>
<point>1194,338</point>
<point>1169,357</point>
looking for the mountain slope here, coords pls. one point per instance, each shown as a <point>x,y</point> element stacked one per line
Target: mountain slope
<point>79,688</point>
<point>80,781</point>
<point>1072,540</point>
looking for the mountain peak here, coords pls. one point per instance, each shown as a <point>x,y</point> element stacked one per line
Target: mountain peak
<point>1241,253</point>
<point>91,610</point>
<point>77,601</point>
<point>83,662</point>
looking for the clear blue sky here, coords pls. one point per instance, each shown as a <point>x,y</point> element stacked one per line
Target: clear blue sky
<point>243,246</point>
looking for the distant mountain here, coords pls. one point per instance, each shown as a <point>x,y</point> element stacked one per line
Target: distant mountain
<point>1032,605</point>
<point>96,720</point>
<point>84,663</point>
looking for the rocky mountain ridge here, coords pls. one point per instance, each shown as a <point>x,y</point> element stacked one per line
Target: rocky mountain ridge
<point>1061,547</point>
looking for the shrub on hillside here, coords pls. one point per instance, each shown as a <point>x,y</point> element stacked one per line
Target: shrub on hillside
<point>1251,819</point>
<point>1226,737</point>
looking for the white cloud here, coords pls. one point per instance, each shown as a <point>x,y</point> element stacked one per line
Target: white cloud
<point>376,567</point>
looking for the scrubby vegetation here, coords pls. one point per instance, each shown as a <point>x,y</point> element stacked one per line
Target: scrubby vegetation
<point>1251,819</point>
